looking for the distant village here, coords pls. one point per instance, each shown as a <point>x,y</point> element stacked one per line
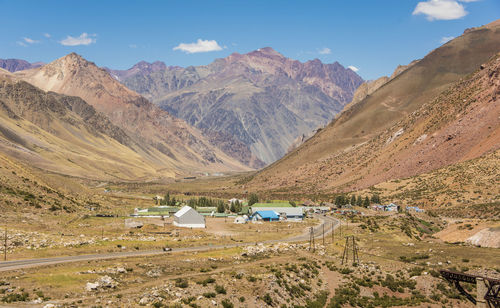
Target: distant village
<point>191,213</point>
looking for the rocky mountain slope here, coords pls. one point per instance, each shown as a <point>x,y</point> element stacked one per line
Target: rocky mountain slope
<point>64,134</point>
<point>253,105</point>
<point>14,65</point>
<point>169,145</point>
<point>370,86</point>
<point>415,123</point>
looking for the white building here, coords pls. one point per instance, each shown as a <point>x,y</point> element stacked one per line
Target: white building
<point>188,217</point>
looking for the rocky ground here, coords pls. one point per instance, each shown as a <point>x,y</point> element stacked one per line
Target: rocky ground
<point>399,265</point>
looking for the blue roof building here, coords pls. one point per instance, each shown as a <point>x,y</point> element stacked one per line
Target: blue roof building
<point>265,216</point>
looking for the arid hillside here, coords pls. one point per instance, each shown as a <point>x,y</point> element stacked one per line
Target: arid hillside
<point>166,143</point>
<point>64,134</point>
<point>441,111</point>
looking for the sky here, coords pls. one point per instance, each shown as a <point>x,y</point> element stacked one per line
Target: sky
<point>371,37</point>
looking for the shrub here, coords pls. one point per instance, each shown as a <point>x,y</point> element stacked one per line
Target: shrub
<point>227,304</point>
<point>220,289</point>
<point>267,299</point>
<point>209,294</point>
<point>16,297</point>
<point>181,283</point>
<point>206,281</point>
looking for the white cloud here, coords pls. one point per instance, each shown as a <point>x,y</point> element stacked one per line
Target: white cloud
<point>440,9</point>
<point>30,41</point>
<point>469,0</point>
<point>83,39</point>
<point>132,46</point>
<point>47,35</point>
<point>21,44</point>
<point>199,46</point>
<point>353,68</point>
<point>446,39</point>
<point>325,51</point>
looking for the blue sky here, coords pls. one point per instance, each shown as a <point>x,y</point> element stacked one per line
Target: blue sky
<point>373,36</point>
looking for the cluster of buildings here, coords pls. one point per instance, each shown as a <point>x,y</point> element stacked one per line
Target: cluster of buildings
<point>195,218</point>
<point>415,209</point>
<point>386,208</point>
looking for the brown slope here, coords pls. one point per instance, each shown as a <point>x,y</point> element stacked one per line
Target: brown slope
<point>65,135</point>
<point>342,156</point>
<point>368,87</point>
<point>164,139</point>
<point>464,189</point>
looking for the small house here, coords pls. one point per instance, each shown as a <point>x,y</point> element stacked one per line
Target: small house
<point>378,207</point>
<point>188,217</point>
<point>392,207</point>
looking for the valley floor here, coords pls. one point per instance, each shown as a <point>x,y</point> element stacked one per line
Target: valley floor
<point>399,263</point>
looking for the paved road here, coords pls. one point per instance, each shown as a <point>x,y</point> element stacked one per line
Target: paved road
<point>326,222</point>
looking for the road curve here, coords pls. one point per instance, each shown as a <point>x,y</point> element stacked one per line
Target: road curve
<point>326,222</point>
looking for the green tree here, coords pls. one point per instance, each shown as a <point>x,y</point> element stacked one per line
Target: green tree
<point>366,203</point>
<point>221,207</point>
<point>192,203</point>
<point>292,203</point>
<point>353,200</point>
<point>235,207</point>
<point>376,199</point>
<point>166,199</point>
<point>359,202</point>
<point>253,199</point>
<point>172,202</point>
<point>339,200</point>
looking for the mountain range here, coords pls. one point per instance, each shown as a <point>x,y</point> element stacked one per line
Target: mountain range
<point>252,106</point>
<point>14,65</point>
<point>94,127</point>
<point>440,111</point>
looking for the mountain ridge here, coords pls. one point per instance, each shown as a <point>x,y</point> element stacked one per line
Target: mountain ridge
<point>14,65</point>
<point>260,101</point>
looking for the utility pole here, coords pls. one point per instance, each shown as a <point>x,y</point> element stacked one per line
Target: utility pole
<point>323,234</point>
<point>350,244</point>
<point>312,246</point>
<point>5,246</point>
<point>333,233</point>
